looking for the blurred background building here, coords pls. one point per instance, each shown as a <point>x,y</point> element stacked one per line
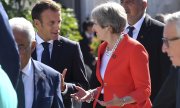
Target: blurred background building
<point>83,8</point>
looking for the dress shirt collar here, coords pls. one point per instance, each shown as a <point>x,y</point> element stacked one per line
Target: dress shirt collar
<point>89,35</point>
<point>137,25</point>
<point>27,69</point>
<point>39,40</point>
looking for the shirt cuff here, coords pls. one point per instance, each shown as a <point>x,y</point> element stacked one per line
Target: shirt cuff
<point>65,91</point>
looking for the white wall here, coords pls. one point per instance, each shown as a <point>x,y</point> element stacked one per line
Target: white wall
<point>163,6</point>
<point>88,5</point>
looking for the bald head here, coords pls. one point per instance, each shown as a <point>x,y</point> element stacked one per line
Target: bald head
<point>135,9</point>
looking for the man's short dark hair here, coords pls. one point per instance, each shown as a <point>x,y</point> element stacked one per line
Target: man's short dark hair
<point>42,6</point>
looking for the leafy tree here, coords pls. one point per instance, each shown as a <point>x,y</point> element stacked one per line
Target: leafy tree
<point>18,8</point>
<point>69,26</point>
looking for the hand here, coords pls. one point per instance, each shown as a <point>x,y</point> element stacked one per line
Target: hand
<point>81,95</point>
<point>114,102</point>
<point>63,84</point>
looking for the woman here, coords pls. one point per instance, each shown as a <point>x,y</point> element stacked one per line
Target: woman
<point>122,66</point>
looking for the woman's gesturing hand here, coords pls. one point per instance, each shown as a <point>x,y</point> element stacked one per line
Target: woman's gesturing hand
<point>82,95</point>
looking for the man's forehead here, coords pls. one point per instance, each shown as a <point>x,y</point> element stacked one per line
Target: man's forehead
<point>170,30</point>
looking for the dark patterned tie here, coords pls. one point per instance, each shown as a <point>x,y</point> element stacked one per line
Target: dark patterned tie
<point>130,32</point>
<point>20,92</point>
<point>45,54</point>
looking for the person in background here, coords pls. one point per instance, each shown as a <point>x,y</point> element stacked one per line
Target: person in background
<point>39,85</point>
<point>9,56</point>
<point>87,37</point>
<point>85,42</point>
<point>122,65</point>
<point>169,94</point>
<point>148,32</point>
<point>56,51</point>
<point>8,97</point>
<point>89,58</point>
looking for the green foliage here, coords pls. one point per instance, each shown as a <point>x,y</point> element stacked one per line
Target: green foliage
<point>94,45</point>
<point>69,26</point>
<point>17,8</point>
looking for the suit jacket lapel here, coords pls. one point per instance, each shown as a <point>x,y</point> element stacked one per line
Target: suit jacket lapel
<point>100,54</point>
<point>116,56</point>
<point>144,29</point>
<point>39,76</point>
<point>34,54</point>
<point>57,47</point>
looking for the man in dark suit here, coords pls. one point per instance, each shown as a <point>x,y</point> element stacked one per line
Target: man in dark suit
<point>9,57</point>
<point>149,33</point>
<point>39,85</point>
<point>57,51</point>
<point>169,95</point>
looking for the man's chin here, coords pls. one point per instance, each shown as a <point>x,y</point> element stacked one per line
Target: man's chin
<point>55,37</point>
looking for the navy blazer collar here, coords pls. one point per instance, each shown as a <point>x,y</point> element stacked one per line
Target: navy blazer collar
<point>144,28</point>
<point>39,76</point>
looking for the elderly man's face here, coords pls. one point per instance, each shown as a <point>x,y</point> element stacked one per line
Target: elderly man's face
<point>24,46</point>
<point>171,43</point>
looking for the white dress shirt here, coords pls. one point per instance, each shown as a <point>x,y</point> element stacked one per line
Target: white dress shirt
<point>40,48</point>
<point>89,35</point>
<point>28,81</point>
<point>136,26</point>
<point>104,63</point>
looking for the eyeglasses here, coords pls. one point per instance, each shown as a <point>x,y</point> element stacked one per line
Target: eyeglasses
<point>166,40</point>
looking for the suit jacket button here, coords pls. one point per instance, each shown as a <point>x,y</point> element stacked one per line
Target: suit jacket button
<point>105,84</point>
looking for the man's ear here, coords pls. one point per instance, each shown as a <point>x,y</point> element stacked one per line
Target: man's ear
<point>36,22</point>
<point>145,4</point>
<point>33,46</point>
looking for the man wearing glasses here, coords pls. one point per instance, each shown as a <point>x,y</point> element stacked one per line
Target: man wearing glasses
<point>169,95</point>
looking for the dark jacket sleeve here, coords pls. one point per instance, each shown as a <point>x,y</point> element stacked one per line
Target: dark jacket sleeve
<point>9,57</point>
<point>166,98</point>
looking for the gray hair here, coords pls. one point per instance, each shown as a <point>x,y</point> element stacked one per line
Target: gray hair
<point>174,18</point>
<point>110,14</point>
<point>23,25</point>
